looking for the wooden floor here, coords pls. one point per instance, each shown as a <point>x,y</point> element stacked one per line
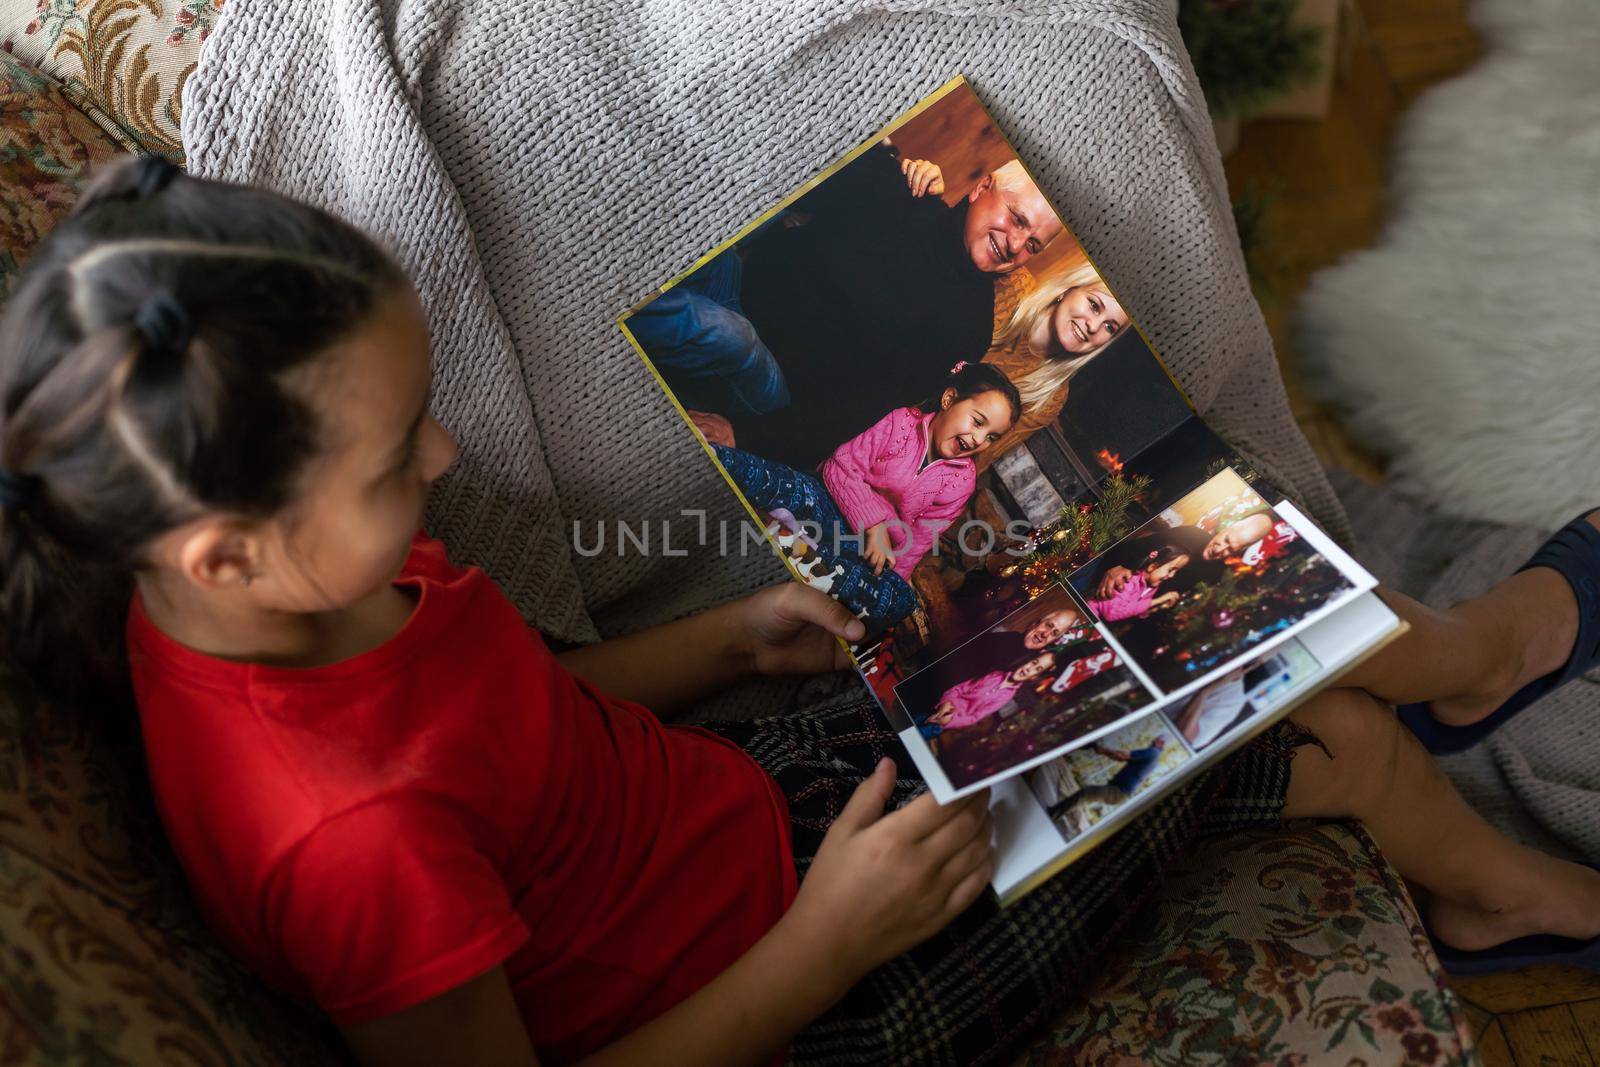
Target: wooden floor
<point>1324,188</point>
<point>1324,180</point>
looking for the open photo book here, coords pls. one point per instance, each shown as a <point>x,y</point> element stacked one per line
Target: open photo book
<point>922,389</point>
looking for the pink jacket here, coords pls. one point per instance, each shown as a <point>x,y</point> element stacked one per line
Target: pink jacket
<point>978,698</point>
<point>1133,599</point>
<point>878,476</point>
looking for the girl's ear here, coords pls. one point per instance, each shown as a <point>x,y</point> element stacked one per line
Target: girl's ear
<point>217,553</point>
<point>947,398</point>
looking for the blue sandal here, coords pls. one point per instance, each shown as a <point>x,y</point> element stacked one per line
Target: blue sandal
<point>1574,552</point>
<point>1534,951</point>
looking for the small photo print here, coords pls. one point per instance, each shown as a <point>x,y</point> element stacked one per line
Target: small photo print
<point>1241,695</point>
<point>1093,783</point>
<point>1038,680</point>
<point>1206,580</point>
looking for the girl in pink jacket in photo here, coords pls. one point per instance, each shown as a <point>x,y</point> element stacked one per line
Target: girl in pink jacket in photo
<point>1139,595</point>
<point>976,699</point>
<point>887,494</point>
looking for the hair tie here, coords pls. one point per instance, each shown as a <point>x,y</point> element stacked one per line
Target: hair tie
<point>153,174</point>
<point>17,490</point>
<point>959,367</point>
<point>163,324</point>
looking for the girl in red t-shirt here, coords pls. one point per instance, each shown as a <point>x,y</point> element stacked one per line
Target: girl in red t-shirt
<point>393,801</point>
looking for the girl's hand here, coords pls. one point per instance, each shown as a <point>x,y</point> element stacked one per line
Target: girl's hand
<point>883,883</point>
<point>790,629</point>
<point>1112,582</point>
<point>1165,600</point>
<point>878,549</point>
<point>714,428</point>
<point>923,178</point>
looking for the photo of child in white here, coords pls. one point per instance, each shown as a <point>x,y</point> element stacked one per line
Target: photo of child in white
<point>1088,784</point>
<point>1239,695</point>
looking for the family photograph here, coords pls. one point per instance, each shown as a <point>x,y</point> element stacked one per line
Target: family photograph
<point>1206,580</point>
<point>886,370</point>
<point>1043,678</point>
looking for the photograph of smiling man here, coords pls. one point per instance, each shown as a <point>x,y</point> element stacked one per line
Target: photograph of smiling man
<point>859,296</point>
<point>837,356</point>
<point>891,368</point>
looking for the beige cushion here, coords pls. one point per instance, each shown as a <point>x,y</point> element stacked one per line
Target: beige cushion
<point>47,146</point>
<point>129,58</point>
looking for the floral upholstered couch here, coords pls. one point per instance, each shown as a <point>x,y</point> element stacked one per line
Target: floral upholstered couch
<point>1298,947</point>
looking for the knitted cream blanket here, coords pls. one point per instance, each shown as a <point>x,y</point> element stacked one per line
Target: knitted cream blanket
<point>539,165</point>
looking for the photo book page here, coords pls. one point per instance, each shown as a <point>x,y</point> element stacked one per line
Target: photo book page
<point>920,386</point>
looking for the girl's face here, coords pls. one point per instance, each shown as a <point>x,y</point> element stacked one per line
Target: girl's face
<point>1086,318</point>
<point>967,426</point>
<point>1037,667</point>
<point>361,500</point>
<point>1238,537</point>
<point>1156,573</point>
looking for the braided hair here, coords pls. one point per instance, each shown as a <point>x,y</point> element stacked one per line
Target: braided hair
<point>973,379</point>
<point>145,358</point>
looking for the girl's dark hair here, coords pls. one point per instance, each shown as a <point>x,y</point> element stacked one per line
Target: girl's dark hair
<point>971,379</point>
<point>145,363</point>
<point>1165,553</point>
<point>1137,550</point>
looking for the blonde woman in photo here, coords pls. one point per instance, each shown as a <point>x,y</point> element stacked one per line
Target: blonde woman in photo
<point>1060,324</point>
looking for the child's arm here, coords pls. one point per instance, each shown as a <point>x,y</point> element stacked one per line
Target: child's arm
<point>845,472</point>
<point>877,547</point>
<point>879,885</point>
<point>784,629</point>
<point>1163,600</point>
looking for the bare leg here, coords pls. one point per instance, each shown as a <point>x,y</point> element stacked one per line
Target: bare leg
<point>1466,661</point>
<point>1487,889</point>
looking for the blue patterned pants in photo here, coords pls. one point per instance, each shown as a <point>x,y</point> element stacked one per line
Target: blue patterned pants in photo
<point>885,598</point>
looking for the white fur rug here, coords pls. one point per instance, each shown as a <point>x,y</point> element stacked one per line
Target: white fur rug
<point>1466,344</point>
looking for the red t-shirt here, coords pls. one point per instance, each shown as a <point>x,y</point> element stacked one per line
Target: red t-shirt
<point>370,834</point>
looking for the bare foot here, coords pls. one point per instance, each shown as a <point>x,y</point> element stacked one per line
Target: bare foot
<point>1535,614</point>
<point>1562,898</point>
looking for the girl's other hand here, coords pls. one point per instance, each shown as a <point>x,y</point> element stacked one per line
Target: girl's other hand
<point>878,550</point>
<point>791,629</point>
<point>1165,600</point>
<point>881,884</point>
<point>923,177</point>
<point>1112,582</point>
